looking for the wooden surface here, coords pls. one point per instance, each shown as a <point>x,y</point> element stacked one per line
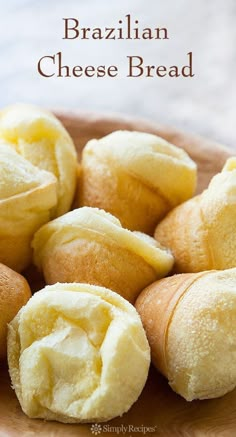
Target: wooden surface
<point>158,406</point>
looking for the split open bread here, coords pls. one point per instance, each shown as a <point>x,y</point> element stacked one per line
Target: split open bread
<point>201,232</point>
<point>90,245</point>
<point>190,322</point>
<point>77,353</point>
<point>137,177</point>
<point>42,140</point>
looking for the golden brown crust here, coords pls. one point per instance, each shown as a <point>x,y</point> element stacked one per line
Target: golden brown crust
<point>90,245</point>
<point>112,189</point>
<point>98,263</point>
<point>201,233</point>
<point>156,305</point>
<point>183,231</point>
<point>189,320</point>
<point>14,293</point>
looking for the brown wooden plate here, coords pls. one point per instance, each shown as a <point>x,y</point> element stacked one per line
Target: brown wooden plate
<point>162,411</point>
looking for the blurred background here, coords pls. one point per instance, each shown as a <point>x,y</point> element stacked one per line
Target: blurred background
<point>205,104</point>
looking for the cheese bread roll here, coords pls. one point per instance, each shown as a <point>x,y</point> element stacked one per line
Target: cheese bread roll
<point>90,245</point>
<point>41,139</point>
<point>27,196</point>
<point>137,177</point>
<point>14,293</point>
<point>190,322</point>
<point>77,353</point>
<point>201,233</point>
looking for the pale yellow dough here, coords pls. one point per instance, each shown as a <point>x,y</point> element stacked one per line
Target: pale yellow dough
<point>137,177</point>
<point>77,353</point>
<point>201,233</point>
<point>41,139</point>
<point>27,197</point>
<point>90,245</point>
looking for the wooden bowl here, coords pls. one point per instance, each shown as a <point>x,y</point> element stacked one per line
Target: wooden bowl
<point>159,409</point>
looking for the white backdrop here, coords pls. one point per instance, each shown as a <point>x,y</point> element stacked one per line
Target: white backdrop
<point>205,104</point>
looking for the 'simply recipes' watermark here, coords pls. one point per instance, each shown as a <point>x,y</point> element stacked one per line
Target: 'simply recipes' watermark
<point>98,429</point>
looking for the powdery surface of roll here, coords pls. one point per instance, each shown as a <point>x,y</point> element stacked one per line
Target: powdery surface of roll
<point>201,343</point>
<point>218,205</point>
<point>41,139</point>
<point>77,353</point>
<point>27,197</point>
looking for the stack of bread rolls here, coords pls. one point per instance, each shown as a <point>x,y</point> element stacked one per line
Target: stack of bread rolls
<point>78,350</point>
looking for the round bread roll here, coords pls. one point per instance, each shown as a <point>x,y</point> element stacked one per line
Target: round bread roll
<point>77,353</point>
<point>190,322</point>
<point>14,293</point>
<point>27,196</point>
<point>41,139</point>
<point>137,177</point>
<point>89,245</point>
<point>201,233</point>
